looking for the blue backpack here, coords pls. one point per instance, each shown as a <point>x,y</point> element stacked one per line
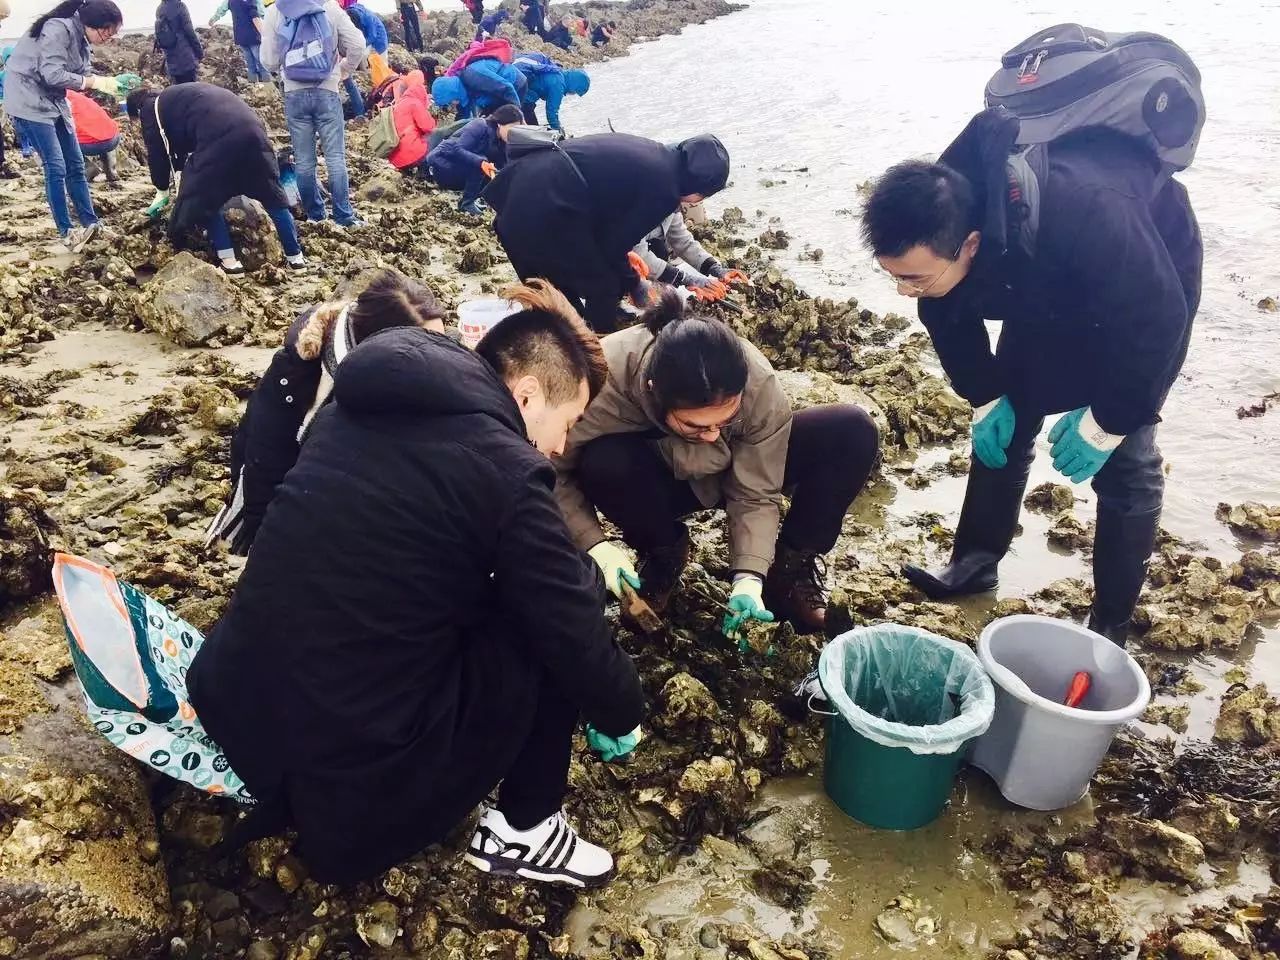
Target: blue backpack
<point>308,44</point>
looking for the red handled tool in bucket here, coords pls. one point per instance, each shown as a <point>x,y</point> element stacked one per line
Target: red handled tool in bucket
<point>1078,689</point>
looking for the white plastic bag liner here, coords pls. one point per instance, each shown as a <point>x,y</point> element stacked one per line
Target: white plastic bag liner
<point>904,687</point>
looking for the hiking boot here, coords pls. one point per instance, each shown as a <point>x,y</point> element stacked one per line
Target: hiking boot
<point>796,589</point>
<point>551,852</point>
<point>660,571</point>
<point>78,237</point>
<point>1117,633</point>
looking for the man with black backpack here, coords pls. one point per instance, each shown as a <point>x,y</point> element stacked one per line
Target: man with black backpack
<point>313,43</point>
<point>1054,212</point>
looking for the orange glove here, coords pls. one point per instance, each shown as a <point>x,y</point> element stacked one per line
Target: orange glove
<point>715,290</point>
<point>638,265</point>
<point>488,169</point>
<point>736,276</point>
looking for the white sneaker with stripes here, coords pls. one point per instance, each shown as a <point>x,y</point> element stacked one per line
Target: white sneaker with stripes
<point>551,852</point>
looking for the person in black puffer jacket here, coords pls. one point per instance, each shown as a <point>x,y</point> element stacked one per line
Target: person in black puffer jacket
<point>298,383</point>
<point>414,626</point>
<point>598,196</point>
<point>176,39</point>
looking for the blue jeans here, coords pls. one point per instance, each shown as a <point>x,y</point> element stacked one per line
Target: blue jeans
<point>252,59</point>
<point>353,91</point>
<point>220,235</point>
<point>316,113</point>
<point>101,148</point>
<point>55,141</point>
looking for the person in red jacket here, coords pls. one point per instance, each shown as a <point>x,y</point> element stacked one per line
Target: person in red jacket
<point>97,134</point>
<point>413,119</point>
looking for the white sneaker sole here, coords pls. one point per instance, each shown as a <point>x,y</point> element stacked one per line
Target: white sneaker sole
<point>506,867</point>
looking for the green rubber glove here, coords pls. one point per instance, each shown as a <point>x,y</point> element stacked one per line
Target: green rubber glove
<point>158,204</point>
<point>611,748</point>
<point>1080,447</point>
<point>615,563</point>
<point>992,429</point>
<point>747,603</point>
<point>126,83</point>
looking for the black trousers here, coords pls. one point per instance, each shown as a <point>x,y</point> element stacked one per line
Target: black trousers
<point>829,458</point>
<point>187,77</point>
<point>534,786</point>
<point>412,29</point>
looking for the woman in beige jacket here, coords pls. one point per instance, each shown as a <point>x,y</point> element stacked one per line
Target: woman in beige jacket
<point>691,418</point>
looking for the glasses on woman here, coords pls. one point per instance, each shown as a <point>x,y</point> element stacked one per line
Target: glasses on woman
<point>686,429</point>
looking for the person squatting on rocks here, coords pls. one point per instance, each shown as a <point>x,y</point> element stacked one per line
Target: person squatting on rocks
<point>603,33</point>
<point>470,158</point>
<point>411,111</point>
<point>247,17</point>
<point>491,22</point>
<point>175,37</point>
<point>51,59</point>
<point>97,133</point>
<point>483,81</point>
<point>312,107</point>
<point>219,145</point>
<point>415,559</point>
<point>412,25</point>
<point>599,196</point>
<point>549,82</point>
<point>298,383</point>
<point>1096,323</point>
<point>671,240</point>
<point>692,418</point>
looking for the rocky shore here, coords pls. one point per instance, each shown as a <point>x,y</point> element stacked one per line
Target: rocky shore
<point>122,374</point>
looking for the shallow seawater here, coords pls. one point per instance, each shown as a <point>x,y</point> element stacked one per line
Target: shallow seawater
<point>815,98</point>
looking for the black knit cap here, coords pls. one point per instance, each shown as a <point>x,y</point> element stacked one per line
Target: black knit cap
<point>704,165</point>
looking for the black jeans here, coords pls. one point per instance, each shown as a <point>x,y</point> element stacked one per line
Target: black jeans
<point>188,76</point>
<point>534,787</point>
<point>412,29</point>
<point>829,457</point>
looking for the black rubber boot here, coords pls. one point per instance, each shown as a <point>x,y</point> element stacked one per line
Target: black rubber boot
<point>1121,548</point>
<point>988,521</point>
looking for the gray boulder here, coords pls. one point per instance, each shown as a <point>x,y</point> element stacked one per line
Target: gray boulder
<point>190,302</point>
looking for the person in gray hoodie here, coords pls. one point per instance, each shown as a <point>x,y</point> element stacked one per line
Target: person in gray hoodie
<point>50,60</point>
<point>312,107</point>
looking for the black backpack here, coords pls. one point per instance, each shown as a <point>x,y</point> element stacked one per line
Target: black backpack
<point>1071,77</point>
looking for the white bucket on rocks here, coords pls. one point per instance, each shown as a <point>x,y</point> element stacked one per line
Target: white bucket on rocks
<point>476,317</point>
<point>1040,752</point>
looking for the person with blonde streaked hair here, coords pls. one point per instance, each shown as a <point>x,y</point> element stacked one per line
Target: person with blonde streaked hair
<point>298,383</point>
<point>414,626</point>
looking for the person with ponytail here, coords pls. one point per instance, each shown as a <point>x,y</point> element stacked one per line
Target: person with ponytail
<point>693,418</point>
<point>50,60</point>
<point>298,383</point>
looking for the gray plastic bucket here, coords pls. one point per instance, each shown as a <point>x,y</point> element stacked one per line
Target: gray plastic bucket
<point>1040,752</point>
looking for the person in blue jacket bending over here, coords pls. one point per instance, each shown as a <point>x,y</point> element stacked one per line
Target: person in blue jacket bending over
<point>375,41</point>
<point>481,88</point>
<point>549,82</point>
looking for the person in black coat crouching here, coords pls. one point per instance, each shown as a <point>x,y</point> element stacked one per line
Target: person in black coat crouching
<point>298,383</point>
<point>598,196</point>
<point>220,147</point>
<point>414,624</point>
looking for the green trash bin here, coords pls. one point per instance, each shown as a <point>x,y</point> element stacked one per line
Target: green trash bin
<point>906,703</point>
